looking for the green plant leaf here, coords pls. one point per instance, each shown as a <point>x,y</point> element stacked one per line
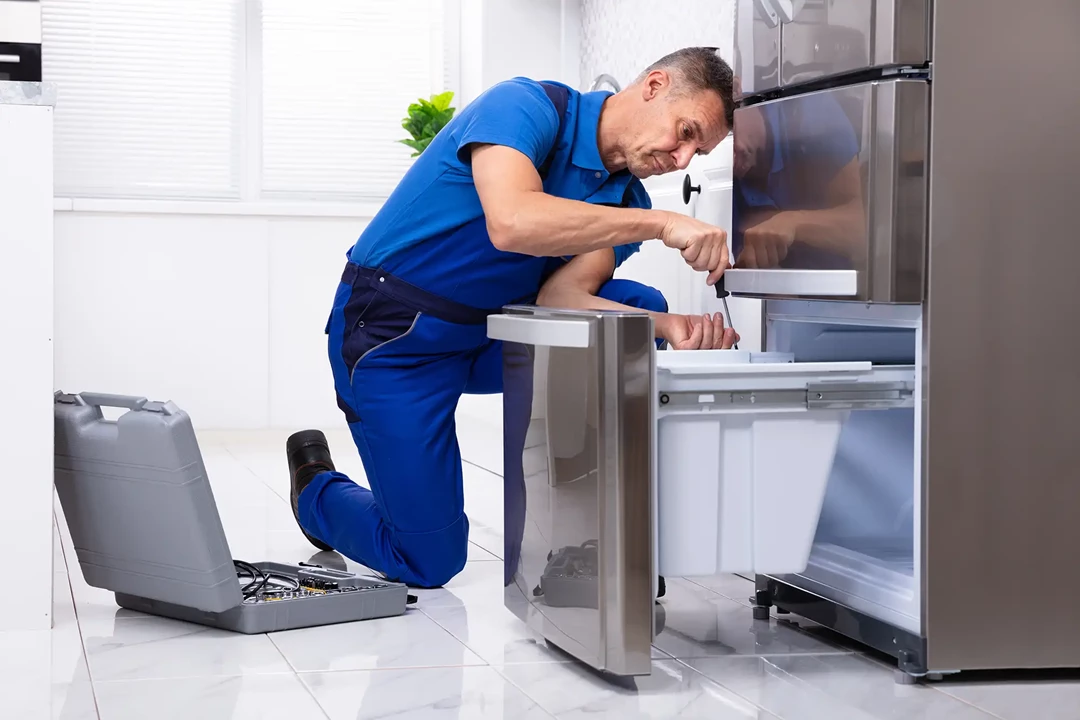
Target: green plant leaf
<point>414,125</point>
<point>442,100</point>
<point>418,145</point>
<point>425,119</point>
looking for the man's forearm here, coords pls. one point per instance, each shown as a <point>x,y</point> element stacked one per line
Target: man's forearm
<point>544,225</point>
<point>566,297</point>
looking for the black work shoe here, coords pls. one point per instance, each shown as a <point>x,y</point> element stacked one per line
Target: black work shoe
<point>309,455</point>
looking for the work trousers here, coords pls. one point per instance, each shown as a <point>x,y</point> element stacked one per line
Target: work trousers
<point>401,359</point>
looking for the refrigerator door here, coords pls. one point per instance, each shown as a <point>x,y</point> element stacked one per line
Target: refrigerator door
<point>829,194</point>
<point>757,46</point>
<point>829,37</point>
<point>578,424</point>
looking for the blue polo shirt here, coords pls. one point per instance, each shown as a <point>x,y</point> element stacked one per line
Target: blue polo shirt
<point>812,138</point>
<point>432,232</point>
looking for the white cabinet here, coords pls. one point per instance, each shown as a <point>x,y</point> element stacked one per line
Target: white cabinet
<point>26,321</point>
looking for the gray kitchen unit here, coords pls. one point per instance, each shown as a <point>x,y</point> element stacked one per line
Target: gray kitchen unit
<point>900,462</point>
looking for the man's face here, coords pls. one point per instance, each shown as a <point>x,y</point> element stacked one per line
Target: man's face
<point>672,127</point>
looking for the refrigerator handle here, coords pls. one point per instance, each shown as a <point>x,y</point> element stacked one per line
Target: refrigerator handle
<point>767,10</point>
<point>783,11</point>
<point>540,331</point>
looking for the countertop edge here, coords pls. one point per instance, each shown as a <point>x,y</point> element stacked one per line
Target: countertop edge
<point>27,93</point>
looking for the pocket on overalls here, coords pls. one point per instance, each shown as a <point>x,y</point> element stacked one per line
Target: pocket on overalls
<point>379,321</point>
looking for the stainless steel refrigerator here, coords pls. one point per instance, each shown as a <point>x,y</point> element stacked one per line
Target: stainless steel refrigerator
<point>940,140</point>
<point>900,463</point>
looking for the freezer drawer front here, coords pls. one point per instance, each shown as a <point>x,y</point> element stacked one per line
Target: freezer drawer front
<point>578,420</point>
<point>745,446</point>
<point>757,46</point>
<point>830,189</point>
<point>832,37</point>
<point>622,462</point>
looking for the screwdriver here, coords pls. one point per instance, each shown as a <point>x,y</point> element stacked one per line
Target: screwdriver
<point>723,295</point>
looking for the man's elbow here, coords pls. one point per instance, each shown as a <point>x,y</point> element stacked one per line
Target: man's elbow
<point>509,233</point>
<point>503,231</point>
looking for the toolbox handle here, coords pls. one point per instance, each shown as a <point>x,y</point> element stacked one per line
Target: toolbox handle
<point>131,402</point>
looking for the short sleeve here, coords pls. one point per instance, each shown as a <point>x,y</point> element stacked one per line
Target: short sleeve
<point>515,113</point>
<point>638,198</point>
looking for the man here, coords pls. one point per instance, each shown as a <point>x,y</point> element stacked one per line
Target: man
<point>532,194</point>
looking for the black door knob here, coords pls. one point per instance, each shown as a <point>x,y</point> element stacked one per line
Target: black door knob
<point>687,188</point>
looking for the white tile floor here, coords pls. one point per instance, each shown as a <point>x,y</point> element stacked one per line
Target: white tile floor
<point>457,653</point>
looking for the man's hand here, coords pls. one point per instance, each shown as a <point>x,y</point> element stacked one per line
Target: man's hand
<point>694,332</point>
<point>703,246</point>
<point>766,244</point>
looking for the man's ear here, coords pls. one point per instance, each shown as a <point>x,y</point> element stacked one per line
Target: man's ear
<point>654,84</point>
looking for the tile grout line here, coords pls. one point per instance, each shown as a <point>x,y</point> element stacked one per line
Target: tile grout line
<point>720,685</point>
<point>717,592</point>
<point>977,708</point>
<point>452,636</point>
<point>78,624</point>
<point>511,683</point>
<point>481,467</point>
<point>296,674</point>
<point>251,471</point>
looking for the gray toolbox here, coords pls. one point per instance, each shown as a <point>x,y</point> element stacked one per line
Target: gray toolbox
<point>145,527</point>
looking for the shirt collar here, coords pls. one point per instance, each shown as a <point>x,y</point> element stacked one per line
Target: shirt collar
<point>586,151</point>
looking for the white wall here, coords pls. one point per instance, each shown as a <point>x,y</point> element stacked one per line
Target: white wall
<point>501,39</point>
<point>622,37</point>
<point>222,314</point>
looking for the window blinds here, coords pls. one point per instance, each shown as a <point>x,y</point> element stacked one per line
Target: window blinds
<point>337,79</point>
<point>240,99</point>
<point>149,100</point>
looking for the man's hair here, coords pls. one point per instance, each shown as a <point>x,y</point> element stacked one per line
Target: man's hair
<point>696,69</point>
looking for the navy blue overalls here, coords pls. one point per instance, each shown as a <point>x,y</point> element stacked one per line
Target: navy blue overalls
<point>407,332</point>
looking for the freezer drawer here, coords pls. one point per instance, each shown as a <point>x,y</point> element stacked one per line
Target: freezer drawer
<point>830,194</point>
<point>622,463</point>
<point>745,448</point>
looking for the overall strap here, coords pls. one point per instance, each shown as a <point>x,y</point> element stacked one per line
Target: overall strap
<point>560,98</point>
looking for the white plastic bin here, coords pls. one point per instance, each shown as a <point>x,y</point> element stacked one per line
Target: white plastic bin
<point>745,446</point>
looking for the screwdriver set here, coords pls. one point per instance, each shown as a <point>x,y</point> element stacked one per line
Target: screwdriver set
<point>146,527</point>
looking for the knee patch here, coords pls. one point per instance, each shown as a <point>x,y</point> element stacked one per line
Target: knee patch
<point>634,294</point>
<point>652,300</point>
<point>433,558</point>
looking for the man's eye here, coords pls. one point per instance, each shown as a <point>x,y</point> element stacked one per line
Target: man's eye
<point>687,132</point>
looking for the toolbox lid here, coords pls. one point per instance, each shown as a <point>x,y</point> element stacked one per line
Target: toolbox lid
<point>138,502</point>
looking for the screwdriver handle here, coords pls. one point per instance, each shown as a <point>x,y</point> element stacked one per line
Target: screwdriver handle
<point>721,292</point>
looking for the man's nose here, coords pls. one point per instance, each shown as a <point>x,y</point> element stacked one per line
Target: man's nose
<point>683,156</point>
